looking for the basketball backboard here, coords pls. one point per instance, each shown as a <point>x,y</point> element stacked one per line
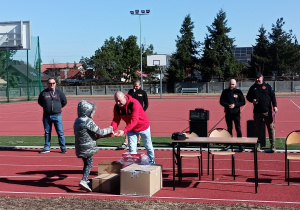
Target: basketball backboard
<point>158,60</point>
<point>15,35</point>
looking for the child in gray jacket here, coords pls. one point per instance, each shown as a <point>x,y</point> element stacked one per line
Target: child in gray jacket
<point>86,133</point>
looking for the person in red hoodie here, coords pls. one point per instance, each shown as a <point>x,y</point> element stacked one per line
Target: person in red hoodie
<point>137,123</point>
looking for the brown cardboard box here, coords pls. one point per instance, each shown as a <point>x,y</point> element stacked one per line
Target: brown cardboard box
<point>108,179</point>
<point>106,183</point>
<point>141,180</point>
<point>109,167</point>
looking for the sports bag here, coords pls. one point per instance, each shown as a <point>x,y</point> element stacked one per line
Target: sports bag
<point>178,136</point>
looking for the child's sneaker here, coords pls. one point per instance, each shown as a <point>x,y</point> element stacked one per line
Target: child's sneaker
<point>84,185</point>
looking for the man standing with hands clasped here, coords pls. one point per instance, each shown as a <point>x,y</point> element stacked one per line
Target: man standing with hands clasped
<point>52,100</point>
<point>263,98</point>
<point>232,99</point>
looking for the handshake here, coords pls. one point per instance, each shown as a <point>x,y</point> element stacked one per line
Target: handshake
<point>97,136</point>
<point>117,133</point>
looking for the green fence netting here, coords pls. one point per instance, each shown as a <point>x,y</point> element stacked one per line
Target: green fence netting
<point>20,73</point>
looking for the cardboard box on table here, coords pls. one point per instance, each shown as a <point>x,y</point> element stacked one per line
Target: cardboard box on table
<point>141,180</point>
<point>108,179</point>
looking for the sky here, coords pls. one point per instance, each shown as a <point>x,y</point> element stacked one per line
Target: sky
<point>71,29</point>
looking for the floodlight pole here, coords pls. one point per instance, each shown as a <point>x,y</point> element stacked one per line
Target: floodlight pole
<point>141,53</point>
<point>137,12</point>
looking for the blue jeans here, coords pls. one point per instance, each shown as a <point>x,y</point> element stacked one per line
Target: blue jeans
<point>56,119</point>
<point>146,137</point>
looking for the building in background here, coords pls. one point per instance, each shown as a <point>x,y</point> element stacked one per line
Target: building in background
<point>243,54</point>
<point>63,71</point>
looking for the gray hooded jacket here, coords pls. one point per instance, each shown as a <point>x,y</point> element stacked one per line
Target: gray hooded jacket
<point>85,130</point>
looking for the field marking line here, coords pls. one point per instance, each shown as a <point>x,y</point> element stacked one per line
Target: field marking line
<point>154,197</point>
<point>295,104</point>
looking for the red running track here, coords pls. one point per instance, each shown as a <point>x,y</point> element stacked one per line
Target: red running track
<point>166,115</point>
<point>28,173</point>
<point>25,172</point>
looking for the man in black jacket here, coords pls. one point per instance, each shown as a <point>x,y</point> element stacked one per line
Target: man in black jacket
<point>232,99</point>
<point>52,100</point>
<point>142,97</point>
<point>263,98</point>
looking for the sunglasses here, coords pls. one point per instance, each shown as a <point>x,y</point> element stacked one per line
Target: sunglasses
<point>51,83</point>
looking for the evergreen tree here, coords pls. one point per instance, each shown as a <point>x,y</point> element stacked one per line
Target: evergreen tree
<point>218,59</point>
<point>260,58</point>
<point>284,49</point>
<point>185,58</point>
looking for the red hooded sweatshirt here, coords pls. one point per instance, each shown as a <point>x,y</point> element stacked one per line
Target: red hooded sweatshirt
<point>133,115</point>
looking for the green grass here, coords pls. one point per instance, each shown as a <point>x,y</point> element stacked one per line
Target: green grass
<point>107,142</point>
<point>103,142</point>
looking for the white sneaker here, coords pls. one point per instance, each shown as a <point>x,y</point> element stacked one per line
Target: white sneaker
<point>84,185</point>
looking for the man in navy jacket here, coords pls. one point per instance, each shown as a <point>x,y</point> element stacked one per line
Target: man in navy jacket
<point>263,98</point>
<point>232,99</point>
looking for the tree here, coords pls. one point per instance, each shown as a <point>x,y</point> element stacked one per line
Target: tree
<point>185,58</point>
<point>86,62</point>
<point>283,50</point>
<point>149,70</point>
<point>106,60</point>
<point>218,59</point>
<point>119,58</point>
<point>260,59</point>
<point>130,58</point>
<point>13,79</point>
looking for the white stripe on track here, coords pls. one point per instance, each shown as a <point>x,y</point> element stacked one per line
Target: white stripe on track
<point>153,197</point>
<point>295,104</point>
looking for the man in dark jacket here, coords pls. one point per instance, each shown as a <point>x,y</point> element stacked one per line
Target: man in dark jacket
<point>52,100</point>
<point>263,98</point>
<point>232,99</point>
<point>142,97</point>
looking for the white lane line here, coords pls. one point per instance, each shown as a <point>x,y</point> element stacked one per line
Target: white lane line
<point>295,104</point>
<point>153,197</point>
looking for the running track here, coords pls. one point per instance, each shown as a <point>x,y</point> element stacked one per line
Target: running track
<point>28,173</point>
<point>166,115</point>
<point>25,172</point>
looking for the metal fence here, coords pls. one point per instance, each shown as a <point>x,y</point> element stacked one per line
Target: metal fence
<point>204,87</point>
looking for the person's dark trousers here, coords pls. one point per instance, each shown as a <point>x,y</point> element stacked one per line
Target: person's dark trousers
<point>258,121</point>
<point>236,119</point>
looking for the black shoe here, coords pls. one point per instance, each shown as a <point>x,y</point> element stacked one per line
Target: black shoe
<point>241,149</point>
<point>138,145</point>
<point>63,151</point>
<point>44,151</point>
<point>123,147</point>
<point>226,148</point>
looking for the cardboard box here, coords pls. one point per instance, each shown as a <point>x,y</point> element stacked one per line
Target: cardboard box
<point>108,179</point>
<point>109,167</point>
<point>141,180</point>
<point>106,183</point>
